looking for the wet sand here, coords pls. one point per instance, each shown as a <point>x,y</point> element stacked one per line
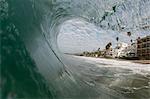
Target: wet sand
<point>142,61</point>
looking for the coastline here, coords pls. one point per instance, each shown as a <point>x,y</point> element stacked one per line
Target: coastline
<point>141,61</point>
<point>119,59</point>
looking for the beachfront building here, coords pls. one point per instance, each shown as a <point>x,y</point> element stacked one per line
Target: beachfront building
<point>129,51</point>
<point>123,50</point>
<point>109,53</point>
<point>143,47</point>
<point>119,50</point>
<point>132,50</point>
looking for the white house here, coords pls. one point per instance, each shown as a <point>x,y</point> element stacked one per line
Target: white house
<point>132,50</point>
<point>119,50</point>
<point>128,50</point>
<point>109,53</point>
<point>123,50</point>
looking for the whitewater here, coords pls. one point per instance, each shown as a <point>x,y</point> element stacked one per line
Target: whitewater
<point>130,79</point>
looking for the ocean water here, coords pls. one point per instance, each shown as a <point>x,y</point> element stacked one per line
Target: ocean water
<point>128,79</point>
<point>32,65</point>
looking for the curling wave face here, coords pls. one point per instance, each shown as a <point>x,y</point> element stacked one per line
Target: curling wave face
<point>32,65</point>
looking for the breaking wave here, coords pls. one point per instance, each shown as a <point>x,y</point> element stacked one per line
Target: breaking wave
<point>31,63</point>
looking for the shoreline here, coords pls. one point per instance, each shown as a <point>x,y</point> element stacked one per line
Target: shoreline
<point>133,61</point>
<point>142,61</point>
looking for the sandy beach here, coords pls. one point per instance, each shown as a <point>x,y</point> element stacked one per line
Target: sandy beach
<point>128,64</point>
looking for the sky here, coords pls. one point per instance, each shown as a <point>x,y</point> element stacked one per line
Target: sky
<point>77,35</point>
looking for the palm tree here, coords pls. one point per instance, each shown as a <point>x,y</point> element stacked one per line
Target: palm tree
<point>117,39</point>
<point>129,34</point>
<point>131,40</point>
<point>108,45</point>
